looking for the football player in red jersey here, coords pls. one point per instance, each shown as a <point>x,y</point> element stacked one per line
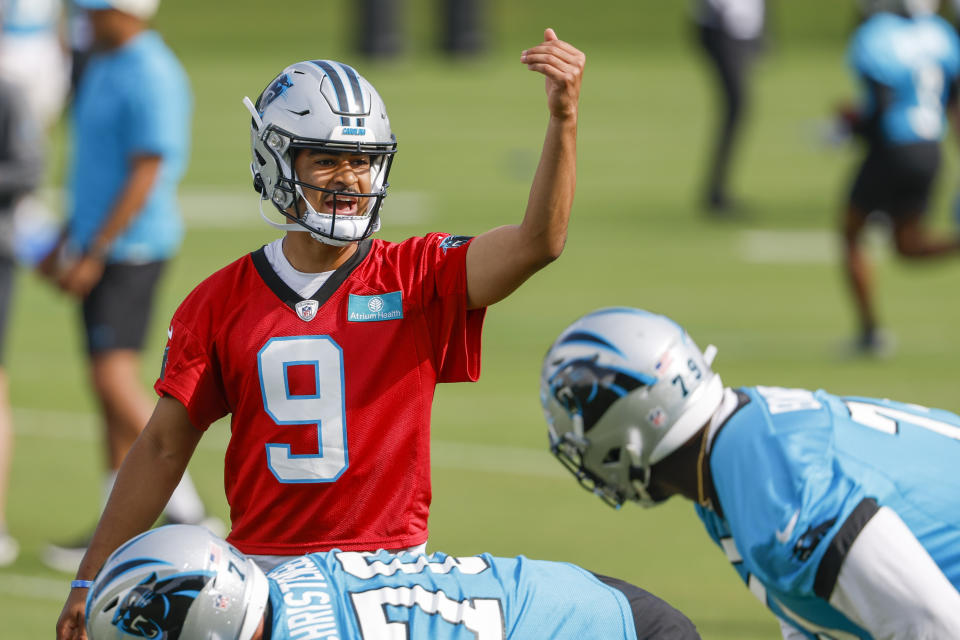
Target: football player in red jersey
<point>325,345</point>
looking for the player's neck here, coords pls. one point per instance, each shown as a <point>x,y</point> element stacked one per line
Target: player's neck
<point>258,634</point>
<point>677,474</point>
<point>308,255</point>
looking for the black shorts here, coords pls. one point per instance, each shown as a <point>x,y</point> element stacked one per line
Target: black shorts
<point>653,617</point>
<point>6,294</point>
<point>117,311</point>
<point>897,180</point>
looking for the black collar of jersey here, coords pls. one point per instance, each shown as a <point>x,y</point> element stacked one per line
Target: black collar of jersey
<point>742,401</point>
<point>291,297</point>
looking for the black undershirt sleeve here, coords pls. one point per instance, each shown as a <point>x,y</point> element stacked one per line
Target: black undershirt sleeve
<point>653,618</point>
<point>829,569</point>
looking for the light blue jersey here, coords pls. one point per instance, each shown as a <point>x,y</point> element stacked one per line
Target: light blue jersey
<point>350,596</point>
<point>906,67</point>
<point>132,101</point>
<point>799,473</point>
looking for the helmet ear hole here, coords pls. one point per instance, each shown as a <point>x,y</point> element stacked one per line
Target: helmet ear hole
<point>612,457</point>
<point>258,183</point>
<point>113,603</point>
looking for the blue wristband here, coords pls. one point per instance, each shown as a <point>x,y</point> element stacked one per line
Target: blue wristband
<point>81,584</point>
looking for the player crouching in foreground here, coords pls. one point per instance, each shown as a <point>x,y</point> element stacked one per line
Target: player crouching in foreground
<point>181,581</point>
<point>841,514</point>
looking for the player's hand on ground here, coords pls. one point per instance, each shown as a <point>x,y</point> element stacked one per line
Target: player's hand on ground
<point>70,626</point>
<point>562,64</point>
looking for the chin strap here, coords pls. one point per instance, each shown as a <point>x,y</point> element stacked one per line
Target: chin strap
<point>702,498</point>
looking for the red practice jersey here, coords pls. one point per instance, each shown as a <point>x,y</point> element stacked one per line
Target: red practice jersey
<point>329,396</point>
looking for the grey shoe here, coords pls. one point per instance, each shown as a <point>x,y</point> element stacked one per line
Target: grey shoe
<point>9,549</point>
<point>66,557</point>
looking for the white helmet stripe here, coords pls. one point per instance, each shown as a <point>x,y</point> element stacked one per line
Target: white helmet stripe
<point>349,103</point>
<point>357,93</point>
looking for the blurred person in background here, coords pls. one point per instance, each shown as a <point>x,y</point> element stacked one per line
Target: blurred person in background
<point>212,590</point>
<point>131,132</point>
<point>840,514</point>
<point>21,159</point>
<point>33,61</point>
<point>32,55</point>
<point>461,25</point>
<point>906,60</point>
<point>326,345</point>
<point>731,33</point>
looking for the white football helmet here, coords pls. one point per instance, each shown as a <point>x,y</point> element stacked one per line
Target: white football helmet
<point>177,581</point>
<point>621,390</point>
<point>905,7</point>
<point>328,106</point>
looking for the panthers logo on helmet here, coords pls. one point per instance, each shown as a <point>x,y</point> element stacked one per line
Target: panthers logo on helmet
<point>276,89</point>
<point>158,608</point>
<point>588,389</point>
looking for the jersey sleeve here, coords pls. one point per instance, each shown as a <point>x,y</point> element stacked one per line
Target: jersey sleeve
<point>455,330</point>
<point>189,374</point>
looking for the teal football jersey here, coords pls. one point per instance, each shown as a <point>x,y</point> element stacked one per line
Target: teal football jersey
<point>351,596</point>
<point>799,473</point>
<point>906,67</point>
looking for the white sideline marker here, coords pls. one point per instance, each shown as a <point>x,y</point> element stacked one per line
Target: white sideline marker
<point>804,246</point>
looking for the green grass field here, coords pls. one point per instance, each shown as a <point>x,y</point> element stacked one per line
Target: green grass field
<point>768,291</point>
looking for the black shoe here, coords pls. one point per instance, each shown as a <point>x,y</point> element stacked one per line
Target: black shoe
<point>874,343</point>
<point>722,207</point>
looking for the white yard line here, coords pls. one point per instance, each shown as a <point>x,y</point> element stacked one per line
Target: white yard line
<point>67,425</point>
<point>84,427</point>
<point>219,207</point>
<point>53,589</point>
<point>796,246</point>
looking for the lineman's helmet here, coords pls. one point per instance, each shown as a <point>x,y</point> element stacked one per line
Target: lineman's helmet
<point>621,389</point>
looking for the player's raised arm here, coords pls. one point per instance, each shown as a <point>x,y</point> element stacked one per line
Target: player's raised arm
<point>501,259</point>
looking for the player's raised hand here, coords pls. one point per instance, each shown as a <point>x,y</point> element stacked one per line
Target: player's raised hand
<point>562,64</point>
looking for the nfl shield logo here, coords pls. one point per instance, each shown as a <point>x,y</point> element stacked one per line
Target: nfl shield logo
<point>656,417</point>
<point>221,602</point>
<point>307,309</point>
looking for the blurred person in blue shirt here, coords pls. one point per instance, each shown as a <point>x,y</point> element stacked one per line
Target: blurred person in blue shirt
<point>840,514</point>
<point>906,60</point>
<point>131,134</point>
